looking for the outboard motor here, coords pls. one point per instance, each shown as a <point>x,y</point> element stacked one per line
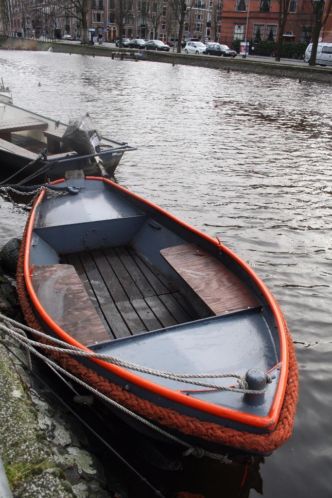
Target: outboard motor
<point>83,138</point>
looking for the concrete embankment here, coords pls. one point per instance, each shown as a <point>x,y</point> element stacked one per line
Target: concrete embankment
<point>280,69</point>
<point>41,453</point>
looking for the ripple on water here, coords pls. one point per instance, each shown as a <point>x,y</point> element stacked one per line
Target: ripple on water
<point>244,156</point>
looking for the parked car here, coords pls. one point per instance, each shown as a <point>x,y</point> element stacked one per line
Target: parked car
<point>219,49</point>
<point>193,47</point>
<point>137,43</point>
<point>124,42</point>
<point>68,37</point>
<point>323,56</point>
<point>157,45</point>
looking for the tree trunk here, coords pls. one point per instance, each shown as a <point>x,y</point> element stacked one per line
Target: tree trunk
<point>315,40</point>
<point>283,13</point>
<point>279,42</point>
<point>85,10</point>
<point>318,11</point>
<point>181,25</point>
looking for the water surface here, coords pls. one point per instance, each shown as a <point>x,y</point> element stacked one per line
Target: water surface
<point>243,156</point>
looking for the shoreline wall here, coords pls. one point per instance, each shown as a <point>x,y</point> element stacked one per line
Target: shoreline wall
<point>280,69</point>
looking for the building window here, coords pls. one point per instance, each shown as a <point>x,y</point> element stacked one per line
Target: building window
<point>101,5</point>
<point>265,6</point>
<point>96,17</point>
<point>198,26</point>
<point>143,8</point>
<point>258,33</point>
<point>241,5</point>
<point>271,30</point>
<point>238,32</point>
<point>292,6</point>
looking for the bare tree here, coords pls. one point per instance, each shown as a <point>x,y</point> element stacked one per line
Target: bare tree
<point>179,8</point>
<point>321,11</point>
<point>155,12</point>
<point>122,9</point>
<point>215,18</point>
<point>78,9</point>
<point>283,14</point>
<point>5,16</point>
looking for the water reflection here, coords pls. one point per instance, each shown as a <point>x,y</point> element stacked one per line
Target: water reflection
<point>244,156</point>
<point>209,479</point>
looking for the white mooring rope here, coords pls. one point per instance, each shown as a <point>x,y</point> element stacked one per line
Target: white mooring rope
<point>187,378</point>
<point>16,333</point>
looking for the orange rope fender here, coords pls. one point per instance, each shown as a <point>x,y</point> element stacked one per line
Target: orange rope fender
<point>207,432</point>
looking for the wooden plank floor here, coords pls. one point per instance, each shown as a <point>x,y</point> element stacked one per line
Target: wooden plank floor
<point>128,294</point>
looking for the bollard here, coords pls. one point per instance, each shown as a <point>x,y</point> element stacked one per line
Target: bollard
<point>257,381</point>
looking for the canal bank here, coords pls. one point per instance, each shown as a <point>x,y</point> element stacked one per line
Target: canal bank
<point>43,452</point>
<point>280,69</point>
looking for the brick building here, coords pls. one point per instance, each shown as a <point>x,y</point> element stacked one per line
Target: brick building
<point>220,20</point>
<point>326,33</point>
<point>260,20</point>
<point>147,19</point>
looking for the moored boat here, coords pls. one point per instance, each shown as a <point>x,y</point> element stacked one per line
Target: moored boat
<point>176,327</point>
<point>35,149</point>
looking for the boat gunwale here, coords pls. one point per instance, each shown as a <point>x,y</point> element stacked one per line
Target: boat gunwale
<point>267,422</point>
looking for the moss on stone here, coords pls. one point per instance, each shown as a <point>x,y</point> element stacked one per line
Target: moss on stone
<point>18,472</point>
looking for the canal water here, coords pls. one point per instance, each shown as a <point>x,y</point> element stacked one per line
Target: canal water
<point>243,156</point>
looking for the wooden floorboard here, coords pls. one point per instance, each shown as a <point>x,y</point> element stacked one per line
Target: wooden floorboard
<point>183,303</point>
<point>135,272</point>
<point>146,314</point>
<point>127,293</point>
<point>123,275</point>
<point>161,312</point>
<point>178,313</point>
<point>155,279</point>
<point>110,311</point>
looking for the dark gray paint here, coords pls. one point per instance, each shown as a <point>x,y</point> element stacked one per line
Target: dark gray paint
<point>225,344</point>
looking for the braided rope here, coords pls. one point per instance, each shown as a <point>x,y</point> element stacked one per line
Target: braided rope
<point>191,427</point>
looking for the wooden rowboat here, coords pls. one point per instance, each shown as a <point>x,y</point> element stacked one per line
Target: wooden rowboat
<point>33,148</point>
<point>199,345</point>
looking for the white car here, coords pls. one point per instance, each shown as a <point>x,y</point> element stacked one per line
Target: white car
<point>323,55</point>
<point>194,47</point>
